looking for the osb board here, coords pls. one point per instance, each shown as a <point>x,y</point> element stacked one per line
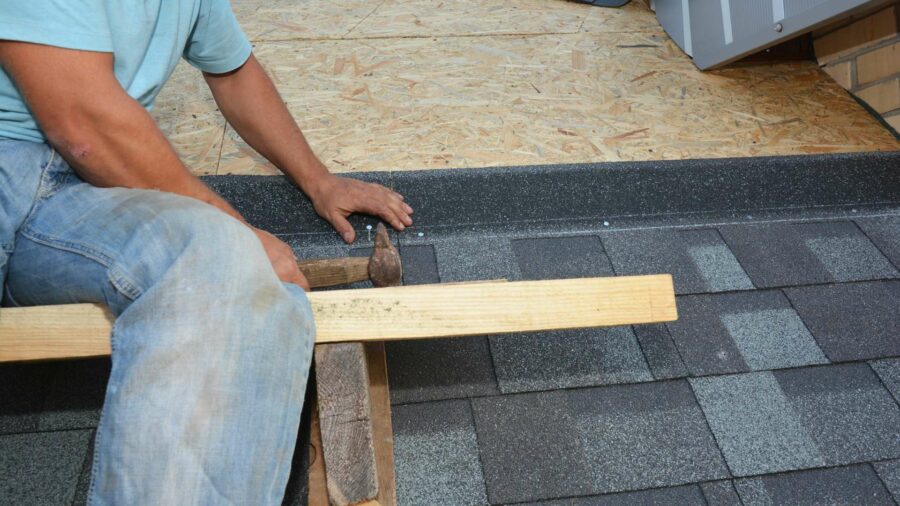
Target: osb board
<point>412,18</point>
<point>409,103</point>
<point>635,16</point>
<point>267,20</point>
<point>187,114</point>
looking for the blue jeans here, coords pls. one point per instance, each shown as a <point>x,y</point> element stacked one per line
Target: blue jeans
<point>210,351</point>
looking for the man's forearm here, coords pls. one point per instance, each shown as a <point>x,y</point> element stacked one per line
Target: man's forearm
<point>119,145</point>
<point>252,105</point>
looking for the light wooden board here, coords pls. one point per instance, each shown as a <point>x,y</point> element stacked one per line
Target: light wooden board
<point>382,430</point>
<point>379,314</point>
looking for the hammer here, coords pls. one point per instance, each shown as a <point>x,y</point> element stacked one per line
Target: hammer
<point>382,267</point>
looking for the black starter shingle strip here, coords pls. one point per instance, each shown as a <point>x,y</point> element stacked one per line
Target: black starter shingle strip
<point>587,191</point>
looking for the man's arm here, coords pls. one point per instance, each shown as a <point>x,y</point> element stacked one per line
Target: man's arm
<point>251,104</point>
<point>105,135</point>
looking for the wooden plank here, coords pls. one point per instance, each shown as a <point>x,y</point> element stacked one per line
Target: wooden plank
<point>382,430</point>
<point>379,314</point>
<point>342,387</point>
<point>318,493</point>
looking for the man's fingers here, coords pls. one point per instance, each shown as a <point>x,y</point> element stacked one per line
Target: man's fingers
<point>343,227</point>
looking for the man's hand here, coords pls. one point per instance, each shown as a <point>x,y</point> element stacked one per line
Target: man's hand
<point>335,198</point>
<point>283,260</point>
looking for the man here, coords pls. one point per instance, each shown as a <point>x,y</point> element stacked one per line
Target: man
<point>213,338</point>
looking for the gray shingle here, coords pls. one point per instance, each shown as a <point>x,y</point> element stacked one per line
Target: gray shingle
<point>787,254</point>
<point>885,233</point>
<point>854,321</point>
<point>660,351</point>
<point>436,454</point>
<point>889,372</point>
<point>561,257</point>
<point>567,358</point>
<point>468,258</point>
<point>846,410</point>
<point>687,495</point>
<point>720,493</point>
<point>76,395</point>
<point>841,485</point>
<point>419,265</point>
<point>23,388</point>
<point>434,369</point>
<point>530,448</point>
<point>84,477</point>
<point>728,333</point>
<point>889,472</point>
<point>697,259</point>
<point>755,424</point>
<point>646,435</point>
<point>42,467</point>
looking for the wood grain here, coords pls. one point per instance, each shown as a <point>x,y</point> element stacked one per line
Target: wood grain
<point>323,272</point>
<point>380,314</point>
<point>382,430</point>
<point>345,418</point>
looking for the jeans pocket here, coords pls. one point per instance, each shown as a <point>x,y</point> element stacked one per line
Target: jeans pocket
<point>54,176</point>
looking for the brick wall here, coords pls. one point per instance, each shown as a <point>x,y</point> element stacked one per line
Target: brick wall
<point>863,56</point>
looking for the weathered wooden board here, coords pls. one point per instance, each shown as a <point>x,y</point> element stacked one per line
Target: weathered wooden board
<point>381,314</point>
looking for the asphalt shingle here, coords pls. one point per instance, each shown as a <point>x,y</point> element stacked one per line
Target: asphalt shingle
<point>419,265</point>
<point>567,358</point>
<point>687,495</point>
<point>889,472</point>
<point>76,395</point>
<point>697,259</point>
<point>786,254</point>
<point>885,233</point>
<point>469,258</point>
<point>561,257</point>
<point>889,372</point>
<point>854,321</point>
<point>434,369</point>
<point>739,332</point>
<point>660,351</point>
<point>530,448</point>
<point>645,435</point>
<point>41,467</point>
<point>23,388</point>
<point>846,410</point>
<point>755,424</point>
<point>720,493</point>
<point>841,485</point>
<point>436,454</point>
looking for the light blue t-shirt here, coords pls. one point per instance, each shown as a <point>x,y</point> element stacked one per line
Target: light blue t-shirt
<point>146,37</point>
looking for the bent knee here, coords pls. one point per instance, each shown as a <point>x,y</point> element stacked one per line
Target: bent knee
<point>193,242</point>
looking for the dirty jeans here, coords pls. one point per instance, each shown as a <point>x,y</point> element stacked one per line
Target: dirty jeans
<point>210,351</point>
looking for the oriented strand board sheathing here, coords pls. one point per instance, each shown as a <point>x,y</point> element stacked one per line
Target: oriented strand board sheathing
<point>300,19</point>
<point>410,103</point>
<point>186,112</point>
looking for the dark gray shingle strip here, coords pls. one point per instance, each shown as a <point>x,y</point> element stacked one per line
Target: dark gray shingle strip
<point>561,257</point>
<point>471,257</point>
<point>790,254</point>
<point>687,495</point>
<point>739,332</point>
<point>41,467</point>
<point>419,264</point>
<point>853,321</point>
<point>852,485</point>
<point>660,351</point>
<point>530,448</point>
<point>567,359</point>
<point>846,410</point>
<point>720,493</point>
<point>697,259</point>
<point>889,472</point>
<point>435,369</point>
<point>645,435</point>
<point>75,395</point>
<point>755,425</point>
<point>23,388</point>
<point>885,233</point>
<point>436,454</point>
<point>889,372</point>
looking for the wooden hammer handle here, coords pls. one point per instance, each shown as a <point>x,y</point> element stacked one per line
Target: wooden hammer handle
<point>334,271</point>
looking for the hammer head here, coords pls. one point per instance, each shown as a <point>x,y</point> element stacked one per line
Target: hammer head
<point>384,264</point>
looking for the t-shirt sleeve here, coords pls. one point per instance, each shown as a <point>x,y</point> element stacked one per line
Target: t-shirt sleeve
<point>71,24</point>
<point>217,43</point>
